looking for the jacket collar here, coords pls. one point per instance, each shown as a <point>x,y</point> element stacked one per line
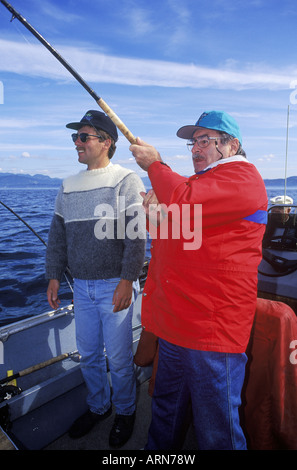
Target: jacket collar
<point>235,158</point>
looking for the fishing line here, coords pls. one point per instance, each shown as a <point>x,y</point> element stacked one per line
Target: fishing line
<point>21,33</point>
<point>38,236</point>
<point>103,105</point>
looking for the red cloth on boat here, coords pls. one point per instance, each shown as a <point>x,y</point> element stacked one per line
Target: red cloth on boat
<point>270,389</point>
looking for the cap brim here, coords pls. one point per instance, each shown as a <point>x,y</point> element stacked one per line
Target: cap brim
<point>186,132</point>
<point>75,125</point>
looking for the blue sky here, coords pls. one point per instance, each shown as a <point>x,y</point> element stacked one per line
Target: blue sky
<point>159,65</point>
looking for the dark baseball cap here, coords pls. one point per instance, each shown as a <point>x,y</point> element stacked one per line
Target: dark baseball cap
<point>98,120</point>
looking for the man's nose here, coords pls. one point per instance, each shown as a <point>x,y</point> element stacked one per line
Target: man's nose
<point>195,146</point>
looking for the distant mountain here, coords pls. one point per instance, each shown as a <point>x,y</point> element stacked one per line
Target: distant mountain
<point>291,182</point>
<point>11,180</point>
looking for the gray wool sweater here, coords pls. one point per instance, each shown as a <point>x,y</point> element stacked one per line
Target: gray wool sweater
<point>98,228</point>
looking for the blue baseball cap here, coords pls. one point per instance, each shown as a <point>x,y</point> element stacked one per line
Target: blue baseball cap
<point>98,120</point>
<point>216,120</point>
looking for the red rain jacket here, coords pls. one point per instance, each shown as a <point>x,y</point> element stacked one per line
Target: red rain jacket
<point>269,406</point>
<point>204,298</point>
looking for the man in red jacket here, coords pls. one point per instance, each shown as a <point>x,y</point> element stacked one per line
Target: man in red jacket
<point>200,299</point>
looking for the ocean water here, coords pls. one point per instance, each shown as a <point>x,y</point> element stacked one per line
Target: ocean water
<point>22,254</point>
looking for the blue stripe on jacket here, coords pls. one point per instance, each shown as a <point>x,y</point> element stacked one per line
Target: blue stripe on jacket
<point>260,217</point>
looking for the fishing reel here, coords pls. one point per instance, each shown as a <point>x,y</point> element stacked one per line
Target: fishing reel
<point>8,391</point>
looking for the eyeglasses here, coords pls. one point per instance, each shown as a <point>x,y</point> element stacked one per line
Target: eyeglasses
<point>202,142</point>
<point>84,136</point>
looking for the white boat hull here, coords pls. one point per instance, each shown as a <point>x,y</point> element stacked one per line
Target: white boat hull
<point>53,396</point>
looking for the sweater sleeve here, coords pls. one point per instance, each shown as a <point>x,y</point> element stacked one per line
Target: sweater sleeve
<point>56,253</point>
<point>135,228</point>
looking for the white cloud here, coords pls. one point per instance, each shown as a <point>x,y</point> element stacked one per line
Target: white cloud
<point>182,157</point>
<point>267,158</point>
<point>140,22</point>
<point>35,60</point>
<point>58,14</point>
<point>36,147</point>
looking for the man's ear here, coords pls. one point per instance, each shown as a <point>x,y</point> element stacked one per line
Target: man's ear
<point>107,144</point>
<point>234,146</point>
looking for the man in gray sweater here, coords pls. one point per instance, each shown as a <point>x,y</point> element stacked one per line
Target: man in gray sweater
<point>98,231</point>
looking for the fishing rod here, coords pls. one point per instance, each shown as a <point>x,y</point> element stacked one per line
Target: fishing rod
<point>36,367</point>
<point>38,236</point>
<point>103,105</point>
<point>24,222</point>
<point>8,390</point>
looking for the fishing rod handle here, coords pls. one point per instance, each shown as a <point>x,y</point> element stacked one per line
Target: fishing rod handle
<point>117,121</point>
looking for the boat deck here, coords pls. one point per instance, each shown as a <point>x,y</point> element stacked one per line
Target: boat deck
<point>97,438</point>
<point>5,442</point>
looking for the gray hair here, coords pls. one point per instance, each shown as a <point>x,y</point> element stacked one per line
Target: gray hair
<point>225,138</point>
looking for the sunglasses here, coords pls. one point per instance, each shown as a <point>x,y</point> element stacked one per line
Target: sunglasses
<point>202,142</point>
<point>83,136</point>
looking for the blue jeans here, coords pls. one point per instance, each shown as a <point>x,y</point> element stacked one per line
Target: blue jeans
<point>212,383</point>
<point>98,326</point>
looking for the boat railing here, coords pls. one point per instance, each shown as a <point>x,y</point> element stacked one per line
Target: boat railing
<point>30,322</point>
